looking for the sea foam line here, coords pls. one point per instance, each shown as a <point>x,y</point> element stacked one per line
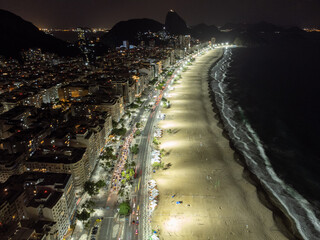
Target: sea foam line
<point>304,204</point>
<point>252,137</point>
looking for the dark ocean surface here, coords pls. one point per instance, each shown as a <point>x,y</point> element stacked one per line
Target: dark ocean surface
<point>269,99</point>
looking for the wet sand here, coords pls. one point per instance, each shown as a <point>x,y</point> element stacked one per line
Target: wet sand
<point>218,202</point>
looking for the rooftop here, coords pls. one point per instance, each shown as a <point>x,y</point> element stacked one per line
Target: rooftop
<point>59,155</point>
<point>16,184</point>
<point>48,199</point>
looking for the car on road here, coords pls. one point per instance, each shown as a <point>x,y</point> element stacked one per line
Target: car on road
<point>94,230</point>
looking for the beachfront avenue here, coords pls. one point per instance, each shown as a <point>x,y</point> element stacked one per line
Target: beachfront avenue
<point>106,222</point>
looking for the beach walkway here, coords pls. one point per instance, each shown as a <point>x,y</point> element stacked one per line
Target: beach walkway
<point>217,202</point>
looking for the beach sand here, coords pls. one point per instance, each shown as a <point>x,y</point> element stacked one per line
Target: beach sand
<point>218,202</point>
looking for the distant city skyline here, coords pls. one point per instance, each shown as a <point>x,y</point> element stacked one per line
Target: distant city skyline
<point>104,13</point>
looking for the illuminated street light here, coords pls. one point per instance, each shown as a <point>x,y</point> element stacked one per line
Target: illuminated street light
<point>172,225</point>
<point>169,144</point>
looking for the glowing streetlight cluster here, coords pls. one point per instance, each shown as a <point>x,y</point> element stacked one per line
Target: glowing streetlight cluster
<point>172,225</point>
<point>221,45</point>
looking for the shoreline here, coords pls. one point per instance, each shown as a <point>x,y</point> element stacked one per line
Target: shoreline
<point>281,217</point>
<point>233,176</point>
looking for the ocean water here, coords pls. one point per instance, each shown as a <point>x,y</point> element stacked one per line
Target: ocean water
<point>269,100</point>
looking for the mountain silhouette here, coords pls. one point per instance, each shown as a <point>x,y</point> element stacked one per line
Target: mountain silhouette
<point>175,24</point>
<point>128,30</point>
<point>204,32</point>
<point>17,34</point>
<point>253,27</point>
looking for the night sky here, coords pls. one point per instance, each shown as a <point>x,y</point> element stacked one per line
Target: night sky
<point>106,13</point>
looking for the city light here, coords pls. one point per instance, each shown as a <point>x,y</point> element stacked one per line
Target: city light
<point>105,119</point>
<point>168,125</point>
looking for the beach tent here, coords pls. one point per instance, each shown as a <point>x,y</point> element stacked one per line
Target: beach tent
<point>154,237</point>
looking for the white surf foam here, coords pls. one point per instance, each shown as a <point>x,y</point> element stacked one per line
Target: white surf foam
<point>248,142</point>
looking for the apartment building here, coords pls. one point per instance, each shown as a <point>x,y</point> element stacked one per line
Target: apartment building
<point>50,205</point>
<point>69,160</point>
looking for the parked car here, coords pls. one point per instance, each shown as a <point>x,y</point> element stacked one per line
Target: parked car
<point>94,230</point>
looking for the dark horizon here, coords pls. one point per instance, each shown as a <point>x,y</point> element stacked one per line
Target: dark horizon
<point>104,14</point>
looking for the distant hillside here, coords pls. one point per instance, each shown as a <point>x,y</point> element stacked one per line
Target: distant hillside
<point>264,27</point>
<point>128,30</point>
<point>204,32</point>
<point>243,34</point>
<point>255,27</point>
<point>17,34</point>
<point>233,26</point>
<point>264,33</point>
<point>174,25</point>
